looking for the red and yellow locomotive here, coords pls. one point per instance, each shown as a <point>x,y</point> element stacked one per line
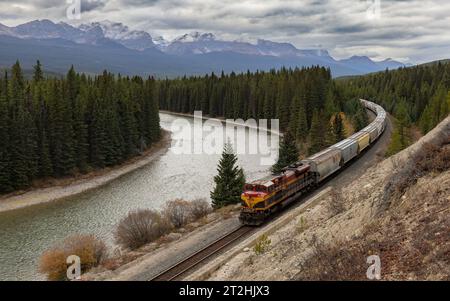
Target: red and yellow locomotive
<point>263,197</point>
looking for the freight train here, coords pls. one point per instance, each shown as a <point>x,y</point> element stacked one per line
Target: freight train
<point>263,197</point>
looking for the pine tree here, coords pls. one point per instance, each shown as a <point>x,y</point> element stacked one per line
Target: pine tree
<point>283,105</point>
<point>97,133</point>
<point>403,122</point>
<point>396,144</point>
<point>80,129</point>
<point>45,164</point>
<point>295,108</point>
<point>288,153</point>
<point>330,137</point>
<point>338,128</point>
<point>38,74</point>
<point>360,119</point>
<point>230,180</point>
<point>152,128</point>
<point>22,149</point>
<point>62,135</point>
<point>330,102</point>
<point>128,125</point>
<point>302,126</point>
<point>5,180</point>
<point>317,134</point>
<point>446,79</point>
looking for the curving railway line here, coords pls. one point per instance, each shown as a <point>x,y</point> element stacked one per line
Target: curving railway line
<point>263,198</point>
<point>195,259</point>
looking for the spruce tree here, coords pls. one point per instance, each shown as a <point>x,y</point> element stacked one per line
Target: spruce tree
<point>97,133</point>
<point>44,163</point>
<point>80,129</point>
<point>403,123</point>
<point>21,145</point>
<point>302,126</point>
<point>288,153</point>
<point>230,180</point>
<point>5,180</point>
<point>45,168</point>
<point>38,74</point>
<point>360,119</point>
<point>62,140</point>
<point>317,135</point>
<point>338,128</point>
<point>330,137</point>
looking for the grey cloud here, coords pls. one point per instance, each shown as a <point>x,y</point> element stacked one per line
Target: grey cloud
<point>88,5</point>
<point>404,28</point>
<point>43,4</point>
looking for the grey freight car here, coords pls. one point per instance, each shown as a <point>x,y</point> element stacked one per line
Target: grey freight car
<point>372,130</point>
<point>369,105</point>
<point>362,138</point>
<point>348,149</point>
<point>379,123</point>
<point>325,163</point>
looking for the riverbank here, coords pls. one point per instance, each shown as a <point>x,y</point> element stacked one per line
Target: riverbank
<point>76,185</point>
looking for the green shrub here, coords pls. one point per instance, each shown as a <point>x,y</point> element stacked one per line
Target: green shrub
<point>302,225</point>
<point>262,244</point>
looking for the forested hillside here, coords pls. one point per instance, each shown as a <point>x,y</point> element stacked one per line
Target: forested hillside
<point>417,96</point>
<point>306,101</point>
<point>53,127</point>
<point>58,127</point>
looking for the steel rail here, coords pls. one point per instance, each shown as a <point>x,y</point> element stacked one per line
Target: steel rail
<point>200,256</point>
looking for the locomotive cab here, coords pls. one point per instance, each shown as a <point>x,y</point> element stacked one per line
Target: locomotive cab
<point>263,197</point>
<point>254,195</point>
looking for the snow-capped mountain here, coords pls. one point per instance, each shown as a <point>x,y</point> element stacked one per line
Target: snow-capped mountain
<point>91,34</point>
<point>195,37</point>
<point>99,45</point>
<point>133,39</point>
<point>46,29</point>
<point>160,42</point>
<point>391,64</point>
<point>286,49</point>
<point>5,30</point>
<point>202,43</point>
<point>206,43</point>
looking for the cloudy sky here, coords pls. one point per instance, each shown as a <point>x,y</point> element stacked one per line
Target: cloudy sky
<point>408,30</point>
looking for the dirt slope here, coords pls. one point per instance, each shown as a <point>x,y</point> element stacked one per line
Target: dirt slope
<point>398,209</point>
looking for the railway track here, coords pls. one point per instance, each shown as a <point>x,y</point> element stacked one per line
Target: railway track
<point>195,259</point>
<point>372,133</point>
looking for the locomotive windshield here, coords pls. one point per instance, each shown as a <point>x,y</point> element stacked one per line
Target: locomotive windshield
<point>253,187</point>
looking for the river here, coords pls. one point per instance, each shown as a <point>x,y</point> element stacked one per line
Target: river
<point>26,233</point>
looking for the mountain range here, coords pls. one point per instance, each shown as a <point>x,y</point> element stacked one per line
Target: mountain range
<point>96,46</point>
